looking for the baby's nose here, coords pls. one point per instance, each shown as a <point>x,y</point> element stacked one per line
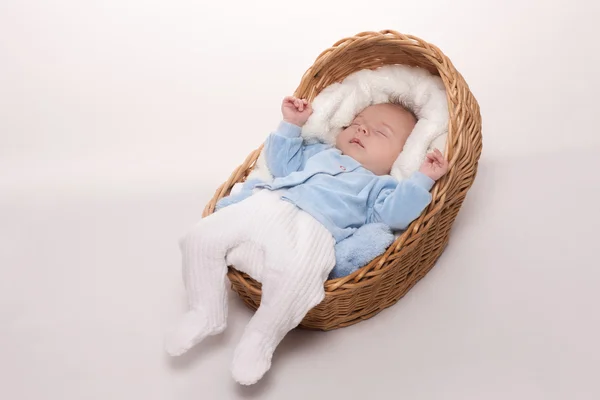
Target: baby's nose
<point>363,130</point>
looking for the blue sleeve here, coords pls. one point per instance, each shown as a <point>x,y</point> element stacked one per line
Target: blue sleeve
<point>398,207</point>
<point>285,151</point>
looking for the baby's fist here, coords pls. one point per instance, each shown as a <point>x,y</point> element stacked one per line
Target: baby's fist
<point>295,111</point>
<point>435,165</point>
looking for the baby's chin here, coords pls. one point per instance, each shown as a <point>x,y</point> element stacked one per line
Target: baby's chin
<point>356,153</point>
<point>350,151</point>
<point>363,159</point>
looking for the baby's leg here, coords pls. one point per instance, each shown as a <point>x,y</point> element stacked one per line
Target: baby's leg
<point>299,256</point>
<point>248,257</point>
<point>204,250</point>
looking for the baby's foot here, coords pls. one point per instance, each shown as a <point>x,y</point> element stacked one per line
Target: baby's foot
<point>191,330</point>
<point>252,358</point>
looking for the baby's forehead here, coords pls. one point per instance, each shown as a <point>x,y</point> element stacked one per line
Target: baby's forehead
<point>384,111</point>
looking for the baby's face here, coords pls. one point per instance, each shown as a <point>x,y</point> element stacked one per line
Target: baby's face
<point>376,136</point>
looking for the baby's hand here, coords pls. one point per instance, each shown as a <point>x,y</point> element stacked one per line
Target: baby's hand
<point>295,111</point>
<point>435,166</point>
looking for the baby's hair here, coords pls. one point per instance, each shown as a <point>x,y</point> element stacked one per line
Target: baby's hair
<point>396,101</point>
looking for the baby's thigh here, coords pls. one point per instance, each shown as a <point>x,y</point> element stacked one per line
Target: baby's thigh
<point>248,257</point>
<point>225,228</point>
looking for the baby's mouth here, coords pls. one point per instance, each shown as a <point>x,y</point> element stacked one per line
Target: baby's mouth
<point>357,141</point>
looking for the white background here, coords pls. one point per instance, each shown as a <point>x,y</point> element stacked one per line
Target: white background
<point>119,118</point>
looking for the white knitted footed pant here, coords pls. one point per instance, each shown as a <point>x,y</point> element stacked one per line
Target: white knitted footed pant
<point>298,255</point>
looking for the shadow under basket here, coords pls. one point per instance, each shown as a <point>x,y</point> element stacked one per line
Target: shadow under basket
<point>387,278</point>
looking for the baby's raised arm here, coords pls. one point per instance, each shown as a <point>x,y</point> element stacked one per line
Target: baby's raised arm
<point>398,207</point>
<point>285,151</point>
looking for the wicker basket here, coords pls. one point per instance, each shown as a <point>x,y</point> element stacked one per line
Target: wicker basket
<point>386,279</point>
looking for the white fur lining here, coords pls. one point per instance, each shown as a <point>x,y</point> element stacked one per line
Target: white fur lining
<point>415,88</point>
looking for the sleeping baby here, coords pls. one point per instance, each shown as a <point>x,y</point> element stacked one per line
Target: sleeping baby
<point>320,195</point>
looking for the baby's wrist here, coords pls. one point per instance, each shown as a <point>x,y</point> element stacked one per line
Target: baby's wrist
<point>422,179</point>
<point>293,122</point>
<point>289,129</point>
